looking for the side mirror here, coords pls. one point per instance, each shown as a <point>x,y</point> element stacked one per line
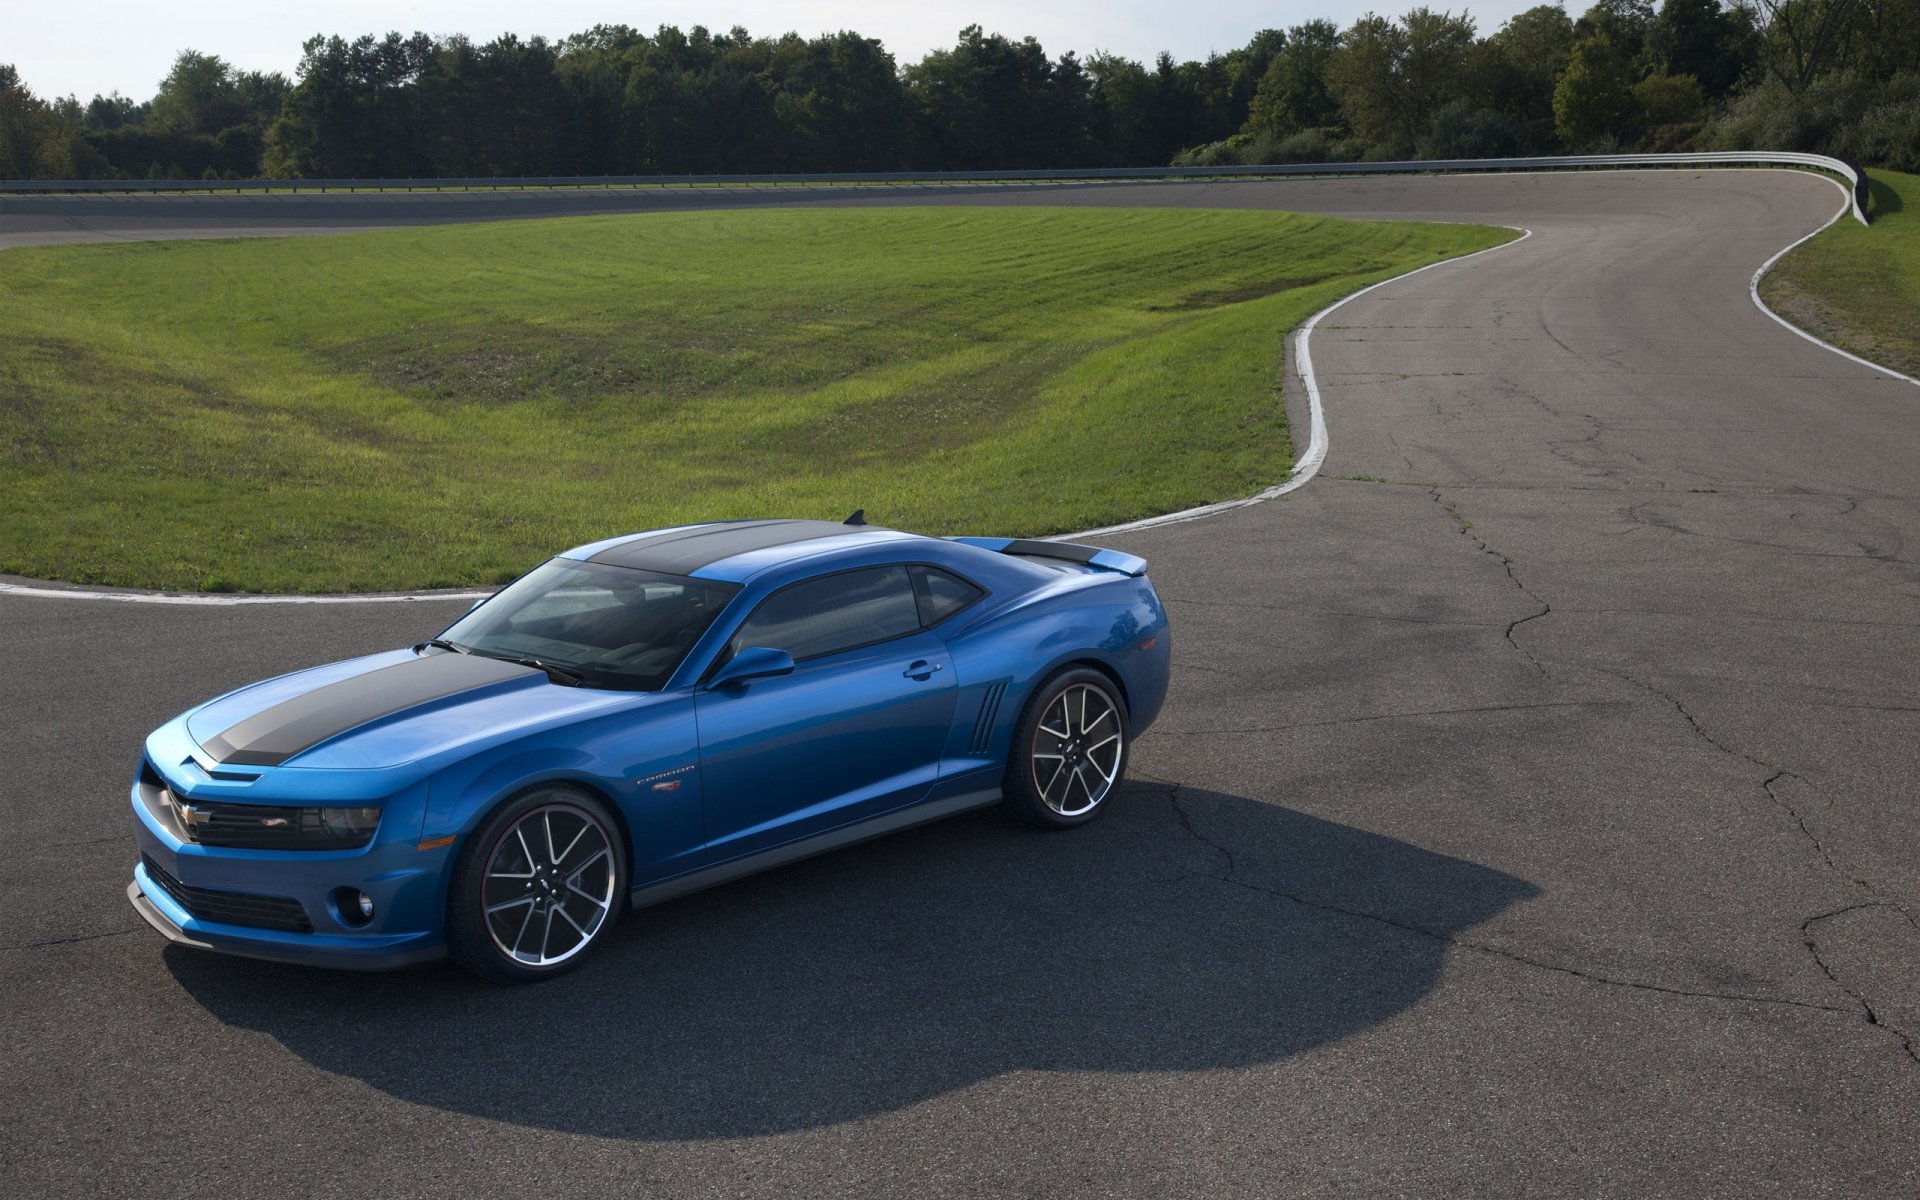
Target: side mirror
<point>753,662</point>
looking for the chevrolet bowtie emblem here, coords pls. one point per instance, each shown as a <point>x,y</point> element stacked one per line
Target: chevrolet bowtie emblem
<point>190,816</point>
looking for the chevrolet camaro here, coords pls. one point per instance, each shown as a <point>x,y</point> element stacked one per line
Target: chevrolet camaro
<point>637,719</point>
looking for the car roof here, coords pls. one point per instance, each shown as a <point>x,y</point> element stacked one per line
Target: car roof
<point>732,551</point>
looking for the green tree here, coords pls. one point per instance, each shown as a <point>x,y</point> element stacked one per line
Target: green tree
<point>1218,93</point>
<point>1515,70</point>
<point>113,111</point>
<point>1622,24</point>
<point>1363,76</point>
<point>1121,112</point>
<point>983,104</point>
<point>1593,101</point>
<point>351,113</point>
<point>1391,77</point>
<point>41,139</point>
<point>1886,39</point>
<point>1293,93</point>
<point>1701,39</point>
<point>197,96</point>
<point>840,105</point>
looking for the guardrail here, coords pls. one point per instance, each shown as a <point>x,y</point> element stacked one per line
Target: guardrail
<point>1735,158</point>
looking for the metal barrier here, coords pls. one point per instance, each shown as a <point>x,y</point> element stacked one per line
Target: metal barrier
<point>1735,158</point>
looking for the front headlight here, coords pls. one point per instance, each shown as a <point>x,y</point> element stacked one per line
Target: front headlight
<point>354,825</point>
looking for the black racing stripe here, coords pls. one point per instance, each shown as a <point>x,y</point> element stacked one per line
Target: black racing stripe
<point>273,735</point>
<point>685,552</point>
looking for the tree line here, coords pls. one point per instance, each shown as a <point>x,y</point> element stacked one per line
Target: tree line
<point>1832,76</point>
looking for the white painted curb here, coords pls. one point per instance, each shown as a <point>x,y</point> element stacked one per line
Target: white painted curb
<point>213,600</point>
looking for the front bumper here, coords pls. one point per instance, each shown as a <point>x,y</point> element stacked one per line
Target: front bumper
<point>405,883</point>
<point>370,953</point>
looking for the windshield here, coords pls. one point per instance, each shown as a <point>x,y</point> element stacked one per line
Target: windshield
<point>617,627</point>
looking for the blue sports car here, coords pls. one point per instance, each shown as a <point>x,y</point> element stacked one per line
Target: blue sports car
<point>634,720</point>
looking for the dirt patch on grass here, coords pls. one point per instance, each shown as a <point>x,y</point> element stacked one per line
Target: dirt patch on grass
<point>483,370</point>
<point>961,411</point>
<point>661,366</point>
<point>1220,299</point>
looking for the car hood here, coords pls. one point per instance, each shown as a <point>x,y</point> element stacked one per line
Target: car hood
<point>384,710</point>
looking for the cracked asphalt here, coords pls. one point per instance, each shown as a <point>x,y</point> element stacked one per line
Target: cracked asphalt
<point>1532,815</point>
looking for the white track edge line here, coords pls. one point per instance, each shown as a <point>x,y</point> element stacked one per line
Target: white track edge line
<point>1309,463</point>
<point>1753,290</point>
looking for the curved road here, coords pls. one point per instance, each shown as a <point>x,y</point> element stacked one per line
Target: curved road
<point>1533,815</point>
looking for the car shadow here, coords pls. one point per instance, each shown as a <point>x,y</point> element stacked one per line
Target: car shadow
<point>877,977</point>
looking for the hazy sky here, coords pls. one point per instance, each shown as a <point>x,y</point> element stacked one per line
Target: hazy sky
<point>83,47</point>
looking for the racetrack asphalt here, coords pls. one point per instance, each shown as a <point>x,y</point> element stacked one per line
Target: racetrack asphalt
<point>1533,815</point>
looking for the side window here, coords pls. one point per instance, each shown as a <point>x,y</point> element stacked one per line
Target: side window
<point>940,594</point>
<point>838,612</point>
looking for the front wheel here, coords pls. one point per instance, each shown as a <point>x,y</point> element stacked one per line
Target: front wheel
<point>538,885</point>
<point>1069,750</point>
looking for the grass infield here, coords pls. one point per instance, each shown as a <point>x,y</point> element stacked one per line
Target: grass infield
<point>447,406</point>
<point>1859,286</point>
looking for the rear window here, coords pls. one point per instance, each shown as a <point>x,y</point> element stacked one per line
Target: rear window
<point>941,594</point>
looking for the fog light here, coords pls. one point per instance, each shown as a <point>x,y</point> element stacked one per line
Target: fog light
<point>354,906</point>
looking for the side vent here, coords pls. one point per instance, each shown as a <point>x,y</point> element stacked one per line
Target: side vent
<point>983,723</point>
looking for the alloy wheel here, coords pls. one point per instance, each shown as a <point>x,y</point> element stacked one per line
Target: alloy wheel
<point>549,885</point>
<point>1077,749</point>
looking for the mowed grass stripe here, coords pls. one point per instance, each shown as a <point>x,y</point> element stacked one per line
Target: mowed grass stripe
<point>446,406</point>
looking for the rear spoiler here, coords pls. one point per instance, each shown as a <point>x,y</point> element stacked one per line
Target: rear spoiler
<point>1092,556</point>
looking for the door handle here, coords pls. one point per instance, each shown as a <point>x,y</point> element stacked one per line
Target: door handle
<point>921,670</point>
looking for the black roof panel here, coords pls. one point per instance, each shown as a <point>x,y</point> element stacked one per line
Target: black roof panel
<point>684,551</point>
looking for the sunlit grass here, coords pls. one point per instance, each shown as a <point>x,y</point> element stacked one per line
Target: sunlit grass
<point>446,406</point>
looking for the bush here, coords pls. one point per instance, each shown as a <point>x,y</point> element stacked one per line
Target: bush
<point>1395,149</point>
<point>1672,139</point>
<point>1669,99</point>
<point>1593,103</point>
<point>1266,149</point>
<point>1846,116</point>
<point>1888,133</point>
<point>1213,154</point>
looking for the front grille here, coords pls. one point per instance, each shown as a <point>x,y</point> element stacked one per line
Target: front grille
<point>231,908</point>
<point>244,826</point>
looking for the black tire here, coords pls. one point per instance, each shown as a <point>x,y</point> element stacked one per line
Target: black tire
<point>546,915</point>
<point>1061,773</point>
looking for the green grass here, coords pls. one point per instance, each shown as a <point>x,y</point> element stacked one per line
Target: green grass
<point>1859,287</point>
<point>446,406</point>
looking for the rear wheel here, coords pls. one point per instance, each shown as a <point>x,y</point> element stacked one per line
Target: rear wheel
<point>538,886</point>
<point>1069,750</point>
